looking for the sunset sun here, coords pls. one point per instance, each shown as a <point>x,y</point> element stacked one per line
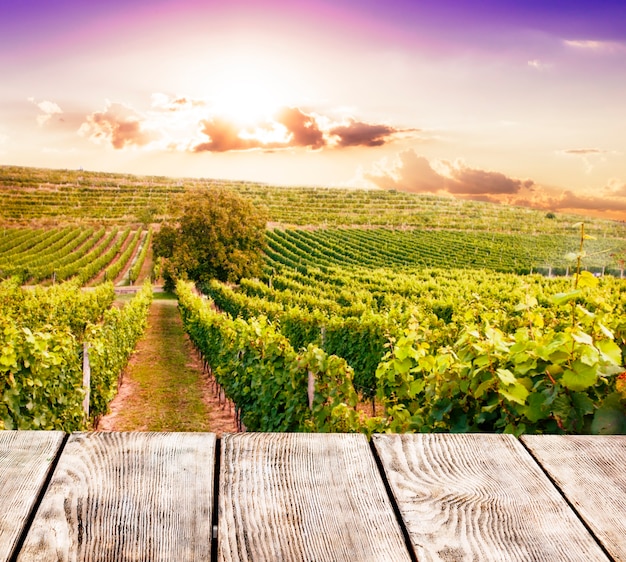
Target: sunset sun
<point>247,90</point>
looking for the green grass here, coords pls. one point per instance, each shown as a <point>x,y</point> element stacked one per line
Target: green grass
<point>166,385</point>
<point>165,296</point>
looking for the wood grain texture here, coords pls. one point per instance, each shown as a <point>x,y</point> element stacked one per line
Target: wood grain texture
<point>25,459</point>
<point>304,497</point>
<point>591,472</point>
<point>470,497</point>
<point>127,496</point>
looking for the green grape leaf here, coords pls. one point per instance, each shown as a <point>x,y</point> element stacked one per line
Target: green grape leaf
<point>583,338</point>
<point>537,406</point>
<point>587,279</point>
<point>416,387</point>
<point>582,403</point>
<point>562,298</point>
<point>402,366</point>
<point>610,350</point>
<point>515,393</point>
<point>606,331</point>
<point>484,386</point>
<point>506,376</point>
<point>609,419</point>
<point>580,377</point>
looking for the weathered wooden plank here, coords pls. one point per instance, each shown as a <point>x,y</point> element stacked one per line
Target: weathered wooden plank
<point>127,496</point>
<point>25,459</point>
<point>304,497</point>
<point>591,472</point>
<point>466,497</point>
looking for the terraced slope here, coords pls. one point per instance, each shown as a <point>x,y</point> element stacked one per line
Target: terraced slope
<point>30,195</point>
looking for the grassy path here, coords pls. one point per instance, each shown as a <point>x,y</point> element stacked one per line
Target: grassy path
<point>163,387</point>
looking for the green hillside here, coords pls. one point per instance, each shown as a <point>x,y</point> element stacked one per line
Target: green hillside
<point>30,195</point>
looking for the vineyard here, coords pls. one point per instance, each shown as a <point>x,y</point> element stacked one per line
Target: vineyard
<point>30,195</point>
<point>87,255</point>
<point>410,249</point>
<point>46,333</point>
<point>376,311</point>
<point>438,349</point>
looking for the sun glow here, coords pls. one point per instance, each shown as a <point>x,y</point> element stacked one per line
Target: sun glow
<point>248,91</point>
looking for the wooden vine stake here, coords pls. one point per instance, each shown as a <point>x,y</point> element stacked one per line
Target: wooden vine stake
<point>86,378</point>
<point>311,390</point>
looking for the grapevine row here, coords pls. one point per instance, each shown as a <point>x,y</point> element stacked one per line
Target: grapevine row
<point>41,347</point>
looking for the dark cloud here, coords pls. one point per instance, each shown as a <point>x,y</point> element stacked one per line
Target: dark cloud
<point>570,200</point>
<point>415,173</point>
<point>467,181</point>
<point>584,151</point>
<point>118,124</point>
<point>303,128</point>
<point>412,172</point>
<point>363,134</point>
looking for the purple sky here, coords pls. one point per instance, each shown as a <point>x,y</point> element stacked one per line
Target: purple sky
<point>509,101</point>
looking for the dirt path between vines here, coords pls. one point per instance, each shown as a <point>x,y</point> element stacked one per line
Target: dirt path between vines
<point>163,387</point>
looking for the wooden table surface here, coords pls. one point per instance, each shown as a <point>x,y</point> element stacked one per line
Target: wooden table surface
<point>293,497</point>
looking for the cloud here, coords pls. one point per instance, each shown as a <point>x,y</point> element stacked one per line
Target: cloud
<point>292,127</point>
<point>568,200</point>
<point>468,181</point>
<point>183,124</point>
<point>303,128</point>
<point>163,102</point>
<point>538,64</point>
<point>224,136</point>
<point>415,173</point>
<point>583,151</point>
<point>598,47</point>
<point>587,156</point>
<point>118,124</point>
<point>616,188</point>
<point>48,108</point>
<point>356,133</point>
<point>409,173</point>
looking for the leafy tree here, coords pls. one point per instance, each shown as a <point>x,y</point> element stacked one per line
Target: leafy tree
<point>216,234</point>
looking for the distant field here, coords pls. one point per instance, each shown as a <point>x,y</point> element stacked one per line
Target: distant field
<point>92,255</point>
<point>410,249</point>
<point>33,195</point>
<point>85,254</point>
<point>60,224</point>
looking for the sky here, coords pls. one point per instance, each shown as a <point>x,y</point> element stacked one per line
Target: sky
<point>510,101</point>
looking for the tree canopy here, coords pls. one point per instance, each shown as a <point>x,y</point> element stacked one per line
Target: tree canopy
<point>216,234</point>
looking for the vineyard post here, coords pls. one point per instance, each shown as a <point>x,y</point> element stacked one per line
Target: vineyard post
<point>311,390</point>
<point>580,252</point>
<point>86,378</point>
